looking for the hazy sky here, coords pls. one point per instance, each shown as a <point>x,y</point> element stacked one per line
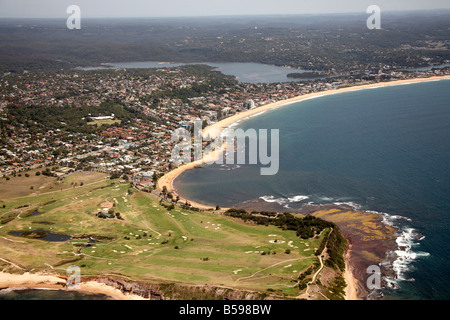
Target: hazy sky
<point>175,8</point>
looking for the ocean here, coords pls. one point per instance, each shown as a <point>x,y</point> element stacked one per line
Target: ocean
<point>385,150</point>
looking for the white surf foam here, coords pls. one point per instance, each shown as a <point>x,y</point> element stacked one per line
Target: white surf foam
<point>406,252</point>
<point>408,239</point>
<point>350,204</point>
<point>298,198</point>
<point>272,199</point>
<point>284,201</point>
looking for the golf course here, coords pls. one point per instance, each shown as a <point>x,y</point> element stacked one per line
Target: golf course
<point>107,228</point>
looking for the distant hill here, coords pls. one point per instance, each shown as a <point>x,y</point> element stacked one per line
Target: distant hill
<point>312,42</point>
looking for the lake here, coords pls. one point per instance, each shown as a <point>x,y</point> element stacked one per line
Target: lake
<point>243,71</point>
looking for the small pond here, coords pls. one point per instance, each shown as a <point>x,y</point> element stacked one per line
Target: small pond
<point>42,234</point>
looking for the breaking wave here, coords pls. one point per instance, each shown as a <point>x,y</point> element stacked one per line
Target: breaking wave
<point>406,253</point>
<point>350,204</point>
<point>284,202</point>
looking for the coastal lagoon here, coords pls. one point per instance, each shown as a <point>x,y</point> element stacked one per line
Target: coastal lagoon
<point>243,71</point>
<point>384,149</point>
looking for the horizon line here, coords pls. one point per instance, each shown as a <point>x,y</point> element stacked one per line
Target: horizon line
<point>237,15</point>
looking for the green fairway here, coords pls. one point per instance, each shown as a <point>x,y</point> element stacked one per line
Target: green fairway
<point>151,243</point>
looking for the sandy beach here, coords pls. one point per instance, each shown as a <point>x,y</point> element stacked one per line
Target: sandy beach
<point>351,292</point>
<point>215,129</point>
<point>47,281</point>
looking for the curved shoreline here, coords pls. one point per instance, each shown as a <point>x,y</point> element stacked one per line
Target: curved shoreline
<point>215,129</point>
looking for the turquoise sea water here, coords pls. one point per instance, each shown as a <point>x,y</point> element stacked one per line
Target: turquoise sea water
<point>384,149</point>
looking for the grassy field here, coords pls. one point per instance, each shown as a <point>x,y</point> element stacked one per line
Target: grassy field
<point>26,184</point>
<point>151,243</point>
<point>99,123</point>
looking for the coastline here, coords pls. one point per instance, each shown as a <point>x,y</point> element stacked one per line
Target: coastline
<point>351,291</point>
<point>52,282</point>
<point>215,129</point>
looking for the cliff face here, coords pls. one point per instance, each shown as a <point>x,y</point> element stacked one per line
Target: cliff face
<point>174,291</point>
<point>146,290</point>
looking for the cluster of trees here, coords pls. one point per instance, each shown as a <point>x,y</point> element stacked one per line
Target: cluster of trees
<point>336,245</point>
<point>69,118</point>
<point>168,196</point>
<point>138,236</point>
<point>110,215</point>
<point>47,172</point>
<point>305,227</point>
<point>336,289</point>
<point>302,280</point>
<point>168,206</point>
<point>214,82</point>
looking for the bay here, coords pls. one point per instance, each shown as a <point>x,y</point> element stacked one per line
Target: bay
<point>383,149</point>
